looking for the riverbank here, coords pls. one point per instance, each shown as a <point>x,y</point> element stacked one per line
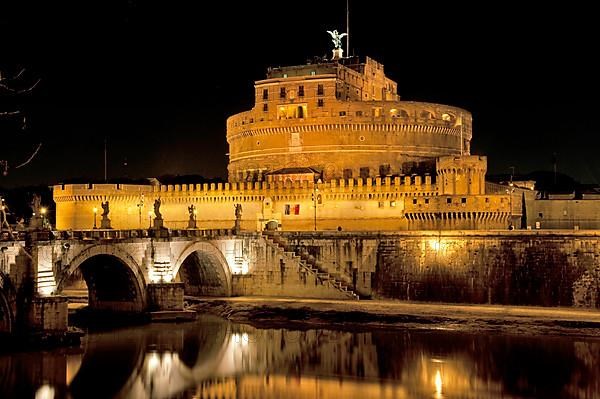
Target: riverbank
<point>299,313</point>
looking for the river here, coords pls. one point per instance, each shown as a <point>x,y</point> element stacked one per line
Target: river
<point>215,358</point>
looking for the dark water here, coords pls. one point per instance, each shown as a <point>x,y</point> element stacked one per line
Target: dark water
<point>213,358</point>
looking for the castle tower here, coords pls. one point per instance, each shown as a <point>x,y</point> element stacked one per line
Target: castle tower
<point>342,117</point>
<point>461,175</point>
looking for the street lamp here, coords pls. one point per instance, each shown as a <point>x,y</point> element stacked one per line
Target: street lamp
<point>315,196</point>
<point>43,211</point>
<point>140,205</point>
<point>150,219</point>
<point>95,210</point>
<point>510,216</point>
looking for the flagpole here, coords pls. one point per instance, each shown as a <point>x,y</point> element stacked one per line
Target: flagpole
<point>347,28</point>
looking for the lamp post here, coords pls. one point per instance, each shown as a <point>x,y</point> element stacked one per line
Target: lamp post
<point>140,205</point>
<point>95,210</point>
<point>510,191</point>
<point>43,211</point>
<point>150,219</point>
<point>315,196</point>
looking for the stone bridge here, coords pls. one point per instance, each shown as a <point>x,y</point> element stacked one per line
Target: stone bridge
<point>138,271</point>
<point>151,270</point>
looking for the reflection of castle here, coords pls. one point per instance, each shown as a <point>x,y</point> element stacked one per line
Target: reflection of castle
<point>328,145</point>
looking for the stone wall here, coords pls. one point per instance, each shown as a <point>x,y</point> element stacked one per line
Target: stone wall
<point>513,268</point>
<point>380,204</point>
<point>275,272</point>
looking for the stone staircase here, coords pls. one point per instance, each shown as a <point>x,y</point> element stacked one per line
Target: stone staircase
<point>308,263</point>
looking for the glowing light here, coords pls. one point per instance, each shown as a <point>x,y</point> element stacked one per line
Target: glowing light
<point>240,339</point>
<point>45,392</point>
<point>168,277</point>
<point>47,290</point>
<point>43,211</point>
<point>153,362</point>
<point>438,384</point>
<point>95,210</point>
<point>435,245</point>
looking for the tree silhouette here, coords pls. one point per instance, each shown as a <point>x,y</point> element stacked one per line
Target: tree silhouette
<point>14,120</point>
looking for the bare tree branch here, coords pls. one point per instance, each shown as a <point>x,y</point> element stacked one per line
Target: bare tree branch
<point>31,157</point>
<point>10,113</point>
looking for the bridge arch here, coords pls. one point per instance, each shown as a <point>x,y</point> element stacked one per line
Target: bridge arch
<point>204,270</point>
<point>115,281</point>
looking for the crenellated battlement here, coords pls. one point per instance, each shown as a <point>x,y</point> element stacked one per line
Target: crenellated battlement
<point>417,185</point>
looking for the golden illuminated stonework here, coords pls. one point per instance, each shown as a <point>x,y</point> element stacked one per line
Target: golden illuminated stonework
<point>327,146</point>
<point>344,118</point>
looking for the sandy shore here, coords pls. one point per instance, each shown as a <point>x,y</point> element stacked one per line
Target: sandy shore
<point>308,313</point>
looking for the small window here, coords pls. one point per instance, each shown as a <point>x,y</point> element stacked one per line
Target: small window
<point>463,200</point>
<point>358,113</point>
<point>541,215</point>
<point>448,200</point>
<point>300,91</point>
<point>414,201</point>
<point>287,209</point>
<point>282,92</point>
<point>381,204</point>
<point>285,75</point>
<point>312,73</point>
<point>320,102</point>
<point>265,94</point>
<point>265,107</point>
<point>487,200</point>
<point>426,201</point>
<point>320,90</point>
<point>342,113</point>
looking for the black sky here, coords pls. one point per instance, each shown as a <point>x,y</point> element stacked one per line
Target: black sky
<point>158,79</point>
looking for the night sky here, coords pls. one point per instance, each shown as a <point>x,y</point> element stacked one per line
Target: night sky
<point>158,79</point>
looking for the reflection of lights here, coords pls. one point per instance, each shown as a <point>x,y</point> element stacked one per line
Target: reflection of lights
<point>240,339</point>
<point>45,392</point>
<point>435,245</point>
<point>153,362</point>
<point>438,384</point>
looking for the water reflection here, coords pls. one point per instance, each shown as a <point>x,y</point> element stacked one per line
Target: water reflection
<point>217,359</point>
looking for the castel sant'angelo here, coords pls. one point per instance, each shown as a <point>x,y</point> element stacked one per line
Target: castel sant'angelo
<point>328,145</point>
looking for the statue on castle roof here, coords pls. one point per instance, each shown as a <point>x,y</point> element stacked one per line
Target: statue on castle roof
<point>336,38</point>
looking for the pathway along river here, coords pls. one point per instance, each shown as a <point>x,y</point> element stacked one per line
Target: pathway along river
<point>215,358</point>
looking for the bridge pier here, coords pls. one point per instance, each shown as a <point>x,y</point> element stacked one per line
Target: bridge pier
<point>48,314</point>
<point>165,296</point>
